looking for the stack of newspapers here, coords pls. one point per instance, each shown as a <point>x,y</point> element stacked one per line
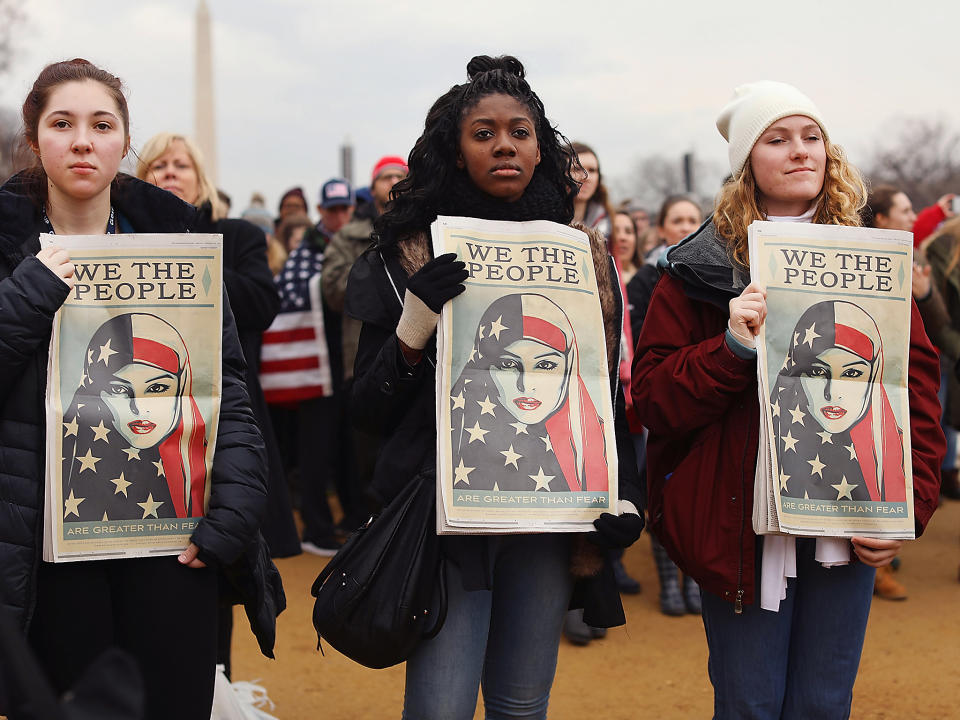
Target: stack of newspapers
<point>133,395</point>
<point>834,446</point>
<point>525,438</point>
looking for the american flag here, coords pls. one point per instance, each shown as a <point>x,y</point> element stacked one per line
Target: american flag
<point>294,361</point>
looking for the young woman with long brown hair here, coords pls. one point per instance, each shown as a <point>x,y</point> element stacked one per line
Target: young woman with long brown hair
<point>161,610</point>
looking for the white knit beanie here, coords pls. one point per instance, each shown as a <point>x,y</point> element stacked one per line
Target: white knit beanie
<point>755,107</point>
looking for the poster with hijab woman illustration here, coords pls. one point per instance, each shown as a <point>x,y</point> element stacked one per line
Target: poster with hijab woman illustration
<point>525,440</point>
<point>832,357</point>
<point>133,396</point>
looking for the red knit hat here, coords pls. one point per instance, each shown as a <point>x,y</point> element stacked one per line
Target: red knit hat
<point>388,162</point>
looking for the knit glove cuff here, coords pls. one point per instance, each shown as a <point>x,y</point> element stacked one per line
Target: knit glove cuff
<point>417,322</point>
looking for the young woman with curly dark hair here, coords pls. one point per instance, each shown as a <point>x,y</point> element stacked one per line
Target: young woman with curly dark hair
<point>487,151</point>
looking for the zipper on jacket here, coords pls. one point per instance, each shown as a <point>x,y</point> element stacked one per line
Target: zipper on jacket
<point>31,604</point>
<point>738,602</point>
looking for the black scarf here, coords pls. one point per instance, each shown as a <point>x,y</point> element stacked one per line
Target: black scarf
<point>540,201</point>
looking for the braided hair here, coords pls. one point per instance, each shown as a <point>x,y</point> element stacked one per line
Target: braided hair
<point>415,199</point>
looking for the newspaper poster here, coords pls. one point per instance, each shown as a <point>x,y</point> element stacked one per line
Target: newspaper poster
<point>525,419</point>
<point>832,364</point>
<point>133,395</point>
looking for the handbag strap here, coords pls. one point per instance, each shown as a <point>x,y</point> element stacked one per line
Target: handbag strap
<point>396,292</point>
<point>333,564</point>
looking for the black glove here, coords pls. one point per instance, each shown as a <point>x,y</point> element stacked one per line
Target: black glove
<point>438,281</point>
<point>616,531</point>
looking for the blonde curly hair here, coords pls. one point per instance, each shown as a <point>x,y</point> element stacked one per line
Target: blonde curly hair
<point>739,203</point>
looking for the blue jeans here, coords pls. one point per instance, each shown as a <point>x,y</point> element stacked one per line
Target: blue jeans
<point>794,664</point>
<point>505,638</point>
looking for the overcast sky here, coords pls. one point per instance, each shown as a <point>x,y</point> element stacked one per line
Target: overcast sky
<point>293,78</point>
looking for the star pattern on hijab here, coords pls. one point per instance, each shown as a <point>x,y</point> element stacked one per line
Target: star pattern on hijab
<point>542,480</point>
<point>810,334</point>
<point>100,432</point>
<point>150,507</point>
<point>462,473</point>
<point>477,433</point>
<point>814,462</point>
<point>510,457</point>
<point>824,462</point>
<point>520,427</point>
<point>497,327</point>
<point>121,484</point>
<point>843,489</point>
<point>796,415</point>
<point>103,476</point>
<point>556,446</point>
<point>518,451</point>
<point>105,353</point>
<point>88,461</point>
<point>70,428</point>
<point>486,407</point>
<point>72,506</point>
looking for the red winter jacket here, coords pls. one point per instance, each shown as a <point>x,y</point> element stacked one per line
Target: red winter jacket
<point>699,402</point>
<point>927,221</point>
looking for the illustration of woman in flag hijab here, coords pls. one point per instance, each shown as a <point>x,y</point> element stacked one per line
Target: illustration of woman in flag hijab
<point>134,440</point>
<point>522,417</point>
<point>837,436</point>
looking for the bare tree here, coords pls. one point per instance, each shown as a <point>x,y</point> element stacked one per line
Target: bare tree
<point>14,155</point>
<point>922,159</point>
<point>11,15</point>
<point>655,177</point>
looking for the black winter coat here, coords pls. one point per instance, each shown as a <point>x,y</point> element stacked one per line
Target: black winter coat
<point>255,302</point>
<point>29,297</point>
<point>639,291</point>
<point>398,403</point>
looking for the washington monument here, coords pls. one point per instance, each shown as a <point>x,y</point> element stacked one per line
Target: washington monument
<point>205,123</point>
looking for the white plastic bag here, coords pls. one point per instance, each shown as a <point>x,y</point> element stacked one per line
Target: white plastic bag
<point>239,700</point>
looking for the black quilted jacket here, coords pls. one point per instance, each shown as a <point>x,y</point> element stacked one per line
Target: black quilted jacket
<point>29,296</point>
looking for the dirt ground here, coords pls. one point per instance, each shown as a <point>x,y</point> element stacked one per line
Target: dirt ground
<point>655,666</point>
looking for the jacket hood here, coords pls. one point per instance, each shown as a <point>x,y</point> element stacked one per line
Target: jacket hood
<point>147,207</point>
<point>701,261</point>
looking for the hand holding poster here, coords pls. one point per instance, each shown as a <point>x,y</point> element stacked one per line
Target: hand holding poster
<point>832,364</point>
<point>133,394</point>
<point>525,420</point>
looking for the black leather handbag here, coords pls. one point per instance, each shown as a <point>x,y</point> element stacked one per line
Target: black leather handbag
<point>385,590</point>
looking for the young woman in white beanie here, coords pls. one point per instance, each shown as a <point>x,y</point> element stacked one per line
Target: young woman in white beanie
<point>772,655</point>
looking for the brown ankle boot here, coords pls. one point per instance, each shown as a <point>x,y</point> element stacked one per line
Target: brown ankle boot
<point>884,586</point>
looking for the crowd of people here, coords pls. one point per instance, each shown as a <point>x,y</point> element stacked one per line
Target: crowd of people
<point>329,391</point>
